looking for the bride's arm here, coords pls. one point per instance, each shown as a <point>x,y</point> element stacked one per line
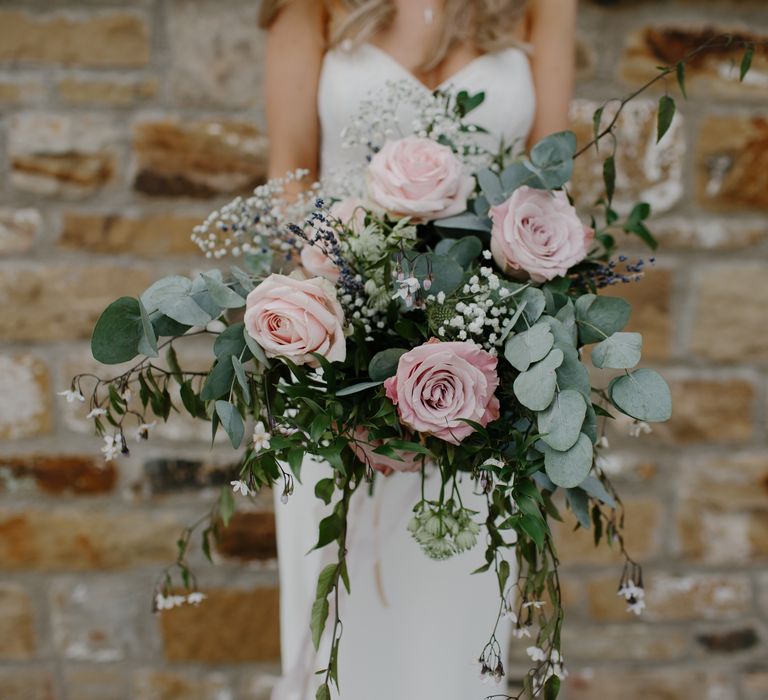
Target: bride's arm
<point>294,54</point>
<point>552,35</point>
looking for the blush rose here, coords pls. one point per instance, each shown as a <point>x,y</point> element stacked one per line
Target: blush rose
<point>538,232</point>
<point>438,384</point>
<point>420,178</point>
<point>293,318</point>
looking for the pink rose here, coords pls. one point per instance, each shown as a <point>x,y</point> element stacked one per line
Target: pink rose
<point>314,258</point>
<point>364,451</point>
<point>439,384</point>
<point>292,318</point>
<point>420,178</point>
<point>538,232</point>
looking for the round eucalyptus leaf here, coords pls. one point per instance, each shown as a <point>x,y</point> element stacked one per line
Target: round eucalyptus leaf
<point>535,388</point>
<point>642,394</point>
<point>560,424</point>
<point>573,374</point>
<point>529,346</point>
<point>384,364</point>
<point>118,332</point>
<point>166,288</point>
<point>221,294</point>
<point>599,317</point>
<point>571,467</point>
<point>619,351</point>
<point>590,423</point>
<point>464,250</point>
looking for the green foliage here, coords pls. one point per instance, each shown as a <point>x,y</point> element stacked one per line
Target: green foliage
<point>665,116</point>
<point>570,467</point>
<point>642,394</point>
<point>118,332</point>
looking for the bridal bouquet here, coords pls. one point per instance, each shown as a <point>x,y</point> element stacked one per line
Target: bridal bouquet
<point>439,311</point>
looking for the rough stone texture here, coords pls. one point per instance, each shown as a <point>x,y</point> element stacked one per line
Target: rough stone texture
<point>708,233</point>
<point>56,155</point>
<point>59,474</point>
<point>617,642</point>
<point>117,93</point>
<point>174,685</point>
<point>644,170</point>
<point>70,539</point>
<point>198,159</point>
<point>215,631</point>
<point>20,92</point>
<point>29,683</point>
<point>208,51</point>
<point>18,640</point>
<point>713,74</point>
<point>148,235</point>
<point>248,536</point>
<point>732,162</point>
<point>19,228</point>
<point>25,407</point>
<point>102,40</point>
<point>96,682</point>
<point>755,685</point>
<point>68,299</point>
<point>729,298</point>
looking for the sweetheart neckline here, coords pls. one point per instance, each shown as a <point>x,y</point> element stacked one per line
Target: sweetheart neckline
<point>445,83</point>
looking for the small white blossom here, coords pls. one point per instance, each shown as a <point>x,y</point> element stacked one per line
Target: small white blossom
<point>520,632</point>
<point>113,446</point>
<point>71,395</point>
<point>142,432</point>
<point>240,487</point>
<point>535,604</point>
<point>536,654</point>
<point>260,437</point>
<point>196,597</point>
<point>95,412</point>
<point>639,428</point>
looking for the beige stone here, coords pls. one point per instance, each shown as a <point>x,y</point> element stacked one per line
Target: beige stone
<point>61,301</point>
<point>642,531</point>
<point>146,235</point>
<point>116,93</point>
<point>18,640</point>
<point>249,536</point>
<point>730,303</point>
<point>20,92</point>
<point>671,598</point>
<point>644,684</point>
<point>732,163</point>
<point>216,57</point>
<point>214,631</point>
<point>56,474</point>
<point>706,234</point>
<point>98,40</point>
<point>198,159</point>
<point>19,230</point>
<point>716,410</point>
<point>66,155</point>
<point>27,683</point>
<point>77,539</point>
<point>95,682</point>
<point>645,171</point>
<point>621,642</point>
<point>712,73</point>
<point>153,684</point>
<point>754,685</point>
<point>25,404</point>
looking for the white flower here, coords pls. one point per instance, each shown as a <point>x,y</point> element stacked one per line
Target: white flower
<point>520,632</point>
<point>142,432</point>
<point>113,446</point>
<point>634,595</point>
<point>639,428</point>
<point>97,412</point>
<point>511,615</point>
<point>637,606</point>
<point>535,604</point>
<point>196,597</point>
<point>126,395</point>
<point>536,654</point>
<point>441,297</point>
<point>169,602</point>
<point>408,287</point>
<point>260,437</point>
<point>71,395</point>
<point>603,442</point>
<point>240,487</point>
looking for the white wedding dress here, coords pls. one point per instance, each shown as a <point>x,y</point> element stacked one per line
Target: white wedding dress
<point>413,628</point>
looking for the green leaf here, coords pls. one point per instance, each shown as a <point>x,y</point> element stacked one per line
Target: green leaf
<point>515,176</point>
<point>384,364</point>
<point>599,317</point>
<point>329,530</point>
<point>232,422</point>
<point>569,468</point>
<point>226,505</point>
<point>218,383</point>
<point>225,297</point>
<point>356,388</point>
<point>535,388</point>
<point>466,222</point>
<point>148,341</point>
<point>172,297</point>
<point>746,62</point>
<point>242,380</point>
<point>231,341</point>
<point>665,116</point>
<point>256,350</point>
<point>165,289</point>
<point>579,504</point>
<point>173,364</point>
<point>165,326</point>
<point>552,688</point>
<point>326,581</point>
<point>594,487</point>
<point>464,250</point>
<point>530,346</point>
<point>597,119</point>
<point>642,394</point>
<point>118,332</point>
<point>319,616</point>
<point>553,159</point>
<point>444,273</point>
<point>619,351</point>
<point>680,71</point>
<point>561,423</point>
<point>243,278</point>
<point>609,177</point>
<point>323,692</point>
<point>491,186</point>
<point>324,489</point>
<point>535,529</point>
<point>573,374</point>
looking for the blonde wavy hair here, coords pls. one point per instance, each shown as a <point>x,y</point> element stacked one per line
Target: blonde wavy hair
<point>488,25</point>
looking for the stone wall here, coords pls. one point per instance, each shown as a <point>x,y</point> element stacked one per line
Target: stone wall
<point>121,124</point>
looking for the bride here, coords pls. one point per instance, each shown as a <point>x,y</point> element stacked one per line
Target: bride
<point>412,627</point>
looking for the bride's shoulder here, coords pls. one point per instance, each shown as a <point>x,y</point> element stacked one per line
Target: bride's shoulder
<point>301,13</point>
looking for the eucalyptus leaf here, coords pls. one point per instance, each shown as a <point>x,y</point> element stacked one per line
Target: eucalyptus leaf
<point>464,250</point>
<point>590,423</point>
<point>383,364</point>
<point>165,326</point>
<point>599,317</point>
<point>118,332</point>
<point>490,184</point>
<point>256,350</point>
<point>535,303</point>
<point>166,288</point>
<point>202,296</point>
<point>232,422</point>
<point>218,383</point>
<point>572,373</point>
<point>535,388</point>
<point>594,487</point>
<point>579,504</point>
<point>569,468</point>
<point>529,346</point>
<point>357,388</point>
<point>560,424</point>
<point>222,295</point>
<point>466,222</point>
<point>243,278</point>
<point>242,380</point>
<point>619,351</point>
<point>445,274</point>
<point>231,341</point>
<point>148,341</point>
<point>514,176</point>
<point>642,394</point>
